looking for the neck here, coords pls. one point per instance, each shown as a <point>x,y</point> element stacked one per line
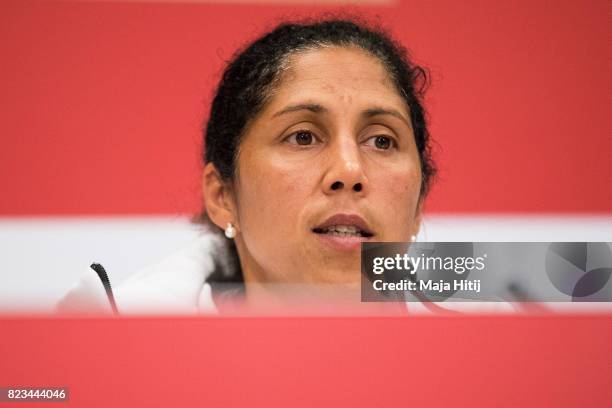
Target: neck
<point>263,296</point>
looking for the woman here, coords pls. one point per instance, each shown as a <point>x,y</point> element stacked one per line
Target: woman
<point>316,141</point>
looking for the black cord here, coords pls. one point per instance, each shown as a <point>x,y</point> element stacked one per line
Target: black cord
<point>99,269</point>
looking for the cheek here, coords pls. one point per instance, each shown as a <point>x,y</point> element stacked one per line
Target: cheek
<point>271,193</point>
<point>274,196</point>
<point>395,195</point>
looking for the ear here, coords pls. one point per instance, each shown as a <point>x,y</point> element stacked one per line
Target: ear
<point>219,198</point>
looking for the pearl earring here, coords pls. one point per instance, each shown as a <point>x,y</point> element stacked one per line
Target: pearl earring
<point>413,238</point>
<point>230,231</point>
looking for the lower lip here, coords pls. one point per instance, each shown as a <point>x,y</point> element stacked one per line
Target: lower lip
<point>342,243</point>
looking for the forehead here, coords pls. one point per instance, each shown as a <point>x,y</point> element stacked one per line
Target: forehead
<point>344,73</point>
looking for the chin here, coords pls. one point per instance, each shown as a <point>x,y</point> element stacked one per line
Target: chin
<point>339,275</point>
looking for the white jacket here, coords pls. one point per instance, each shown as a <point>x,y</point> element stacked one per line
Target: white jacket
<point>177,286</point>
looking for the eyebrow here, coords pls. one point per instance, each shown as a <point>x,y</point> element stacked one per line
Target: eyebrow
<point>368,113</point>
<point>313,107</point>
<point>316,108</point>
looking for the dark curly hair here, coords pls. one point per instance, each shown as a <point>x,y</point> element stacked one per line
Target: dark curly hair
<point>254,71</point>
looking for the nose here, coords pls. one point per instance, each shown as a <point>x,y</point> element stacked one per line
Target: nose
<point>345,170</point>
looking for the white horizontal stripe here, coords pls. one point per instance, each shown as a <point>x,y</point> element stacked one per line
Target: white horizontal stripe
<point>41,258</point>
<point>517,228</point>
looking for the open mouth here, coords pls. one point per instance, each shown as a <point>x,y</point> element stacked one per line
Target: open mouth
<point>343,231</point>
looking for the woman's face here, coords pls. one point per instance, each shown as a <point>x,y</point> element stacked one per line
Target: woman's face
<point>330,162</point>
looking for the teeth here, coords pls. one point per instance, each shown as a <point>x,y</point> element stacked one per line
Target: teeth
<point>343,228</point>
<point>344,231</point>
<point>344,234</point>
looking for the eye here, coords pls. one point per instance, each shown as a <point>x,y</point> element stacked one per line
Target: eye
<point>381,142</point>
<point>301,137</point>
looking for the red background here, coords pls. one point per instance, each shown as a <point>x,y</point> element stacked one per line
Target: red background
<point>492,361</point>
<point>102,102</point>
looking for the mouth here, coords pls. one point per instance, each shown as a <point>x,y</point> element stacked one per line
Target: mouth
<point>344,231</point>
